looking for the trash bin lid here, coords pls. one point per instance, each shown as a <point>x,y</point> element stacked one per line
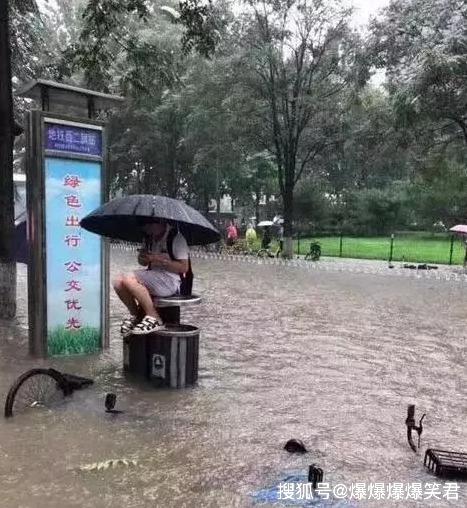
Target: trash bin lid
<point>179,330</point>
<point>178,300</point>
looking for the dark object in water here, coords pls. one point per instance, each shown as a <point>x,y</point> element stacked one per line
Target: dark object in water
<point>410,422</point>
<point>110,401</point>
<point>315,475</point>
<point>446,464</point>
<point>295,446</point>
<point>420,267</point>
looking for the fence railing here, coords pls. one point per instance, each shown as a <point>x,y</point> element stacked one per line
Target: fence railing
<point>404,247</point>
<point>417,247</point>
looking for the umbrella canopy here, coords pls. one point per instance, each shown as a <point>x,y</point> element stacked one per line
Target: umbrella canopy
<point>123,219</point>
<point>460,228</point>
<point>265,223</point>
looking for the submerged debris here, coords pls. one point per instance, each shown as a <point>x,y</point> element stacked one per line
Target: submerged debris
<point>315,475</point>
<point>106,464</point>
<point>410,423</point>
<point>446,463</point>
<point>295,446</point>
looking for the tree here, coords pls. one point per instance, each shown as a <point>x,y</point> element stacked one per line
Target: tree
<point>7,261</point>
<point>374,211</point>
<point>312,203</point>
<point>299,60</point>
<point>109,32</point>
<point>422,44</point>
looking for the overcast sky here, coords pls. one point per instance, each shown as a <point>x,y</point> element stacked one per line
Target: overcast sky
<point>365,8</point>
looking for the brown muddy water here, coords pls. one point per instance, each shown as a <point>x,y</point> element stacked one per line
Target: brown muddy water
<point>329,358</point>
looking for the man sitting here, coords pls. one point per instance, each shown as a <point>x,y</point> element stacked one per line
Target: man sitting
<point>165,253</point>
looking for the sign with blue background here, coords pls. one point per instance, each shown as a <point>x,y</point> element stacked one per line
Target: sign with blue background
<point>73,139</point>
<point>74,267</point>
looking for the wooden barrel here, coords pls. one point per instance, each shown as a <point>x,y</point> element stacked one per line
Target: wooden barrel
<point>167,358</point>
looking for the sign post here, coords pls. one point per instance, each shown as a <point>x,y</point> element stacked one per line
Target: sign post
<point>68,274</point>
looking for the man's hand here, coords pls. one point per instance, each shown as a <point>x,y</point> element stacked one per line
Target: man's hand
<point>143,258</point>
<point>163,261</point>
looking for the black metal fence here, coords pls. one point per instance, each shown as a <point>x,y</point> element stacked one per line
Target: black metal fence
<point>415,247</point>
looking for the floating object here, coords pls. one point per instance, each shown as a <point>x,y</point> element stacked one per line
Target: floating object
<point>410,422</point>
<point>420,267</point>
<point>106,464</point>
<point>295,446</point>
<point>110,400</point>
<point>445,463</point>
<point>315,475</point>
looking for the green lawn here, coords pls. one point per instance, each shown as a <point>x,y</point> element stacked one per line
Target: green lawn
<point>413,247</point>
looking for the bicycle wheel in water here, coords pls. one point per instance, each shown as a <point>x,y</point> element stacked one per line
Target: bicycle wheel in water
<point>36,388</point>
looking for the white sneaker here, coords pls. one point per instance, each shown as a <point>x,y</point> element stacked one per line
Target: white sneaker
<point>148,325</point>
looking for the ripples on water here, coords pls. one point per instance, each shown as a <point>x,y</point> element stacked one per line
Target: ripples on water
<point>330,358</point>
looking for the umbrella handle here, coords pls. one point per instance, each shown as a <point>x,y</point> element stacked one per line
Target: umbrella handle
<point>148,245</point>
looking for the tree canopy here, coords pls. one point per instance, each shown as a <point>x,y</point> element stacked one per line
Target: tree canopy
<point>272,98</point>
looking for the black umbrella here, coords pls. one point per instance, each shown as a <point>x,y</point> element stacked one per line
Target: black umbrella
<point>123,219</point>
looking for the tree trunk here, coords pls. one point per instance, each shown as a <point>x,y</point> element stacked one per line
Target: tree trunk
<point>206,201</point>
<point>173,173</point>
<point>218,195</point>
<point>463,125</point>
<point>257,200</point>
<point>7,211</point>
<point>288,213</point>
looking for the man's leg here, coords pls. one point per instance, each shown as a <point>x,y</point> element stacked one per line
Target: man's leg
<point>125,296</point>
<point>141,295</point>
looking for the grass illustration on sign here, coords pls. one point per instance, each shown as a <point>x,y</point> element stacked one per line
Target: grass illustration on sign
<point>62,341</point>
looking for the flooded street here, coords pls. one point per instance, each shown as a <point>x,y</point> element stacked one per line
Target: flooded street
<point>329,358</point>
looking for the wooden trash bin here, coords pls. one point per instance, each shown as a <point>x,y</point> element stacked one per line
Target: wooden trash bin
<point>166,358</point>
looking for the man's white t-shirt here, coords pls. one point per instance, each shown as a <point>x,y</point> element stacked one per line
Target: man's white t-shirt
<point>180,252</point>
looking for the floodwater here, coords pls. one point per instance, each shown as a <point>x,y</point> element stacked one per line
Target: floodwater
<point>329,358</point>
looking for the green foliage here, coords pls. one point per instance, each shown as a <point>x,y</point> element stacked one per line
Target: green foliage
<point>277,109</point>
<point>374,211</point>
<point>422,44</point>
<point>312,203</point>
<point>440,195</point>
<point>113,30</point>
